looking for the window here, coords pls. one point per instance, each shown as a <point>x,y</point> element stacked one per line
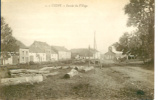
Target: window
<point>22,58</point>
<point>22,52</point>
<point>26,59</point>
<point>26,52</point>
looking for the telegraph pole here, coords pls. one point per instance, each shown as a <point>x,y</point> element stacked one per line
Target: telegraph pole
<point>95,48</point>
<point>89,56</point>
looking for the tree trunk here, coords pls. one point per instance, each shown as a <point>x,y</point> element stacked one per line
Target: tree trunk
<point>72,73</point>
<point>51,74</point>
<point>88,69</point>
<point>20,80</point>
<point>17,71</point>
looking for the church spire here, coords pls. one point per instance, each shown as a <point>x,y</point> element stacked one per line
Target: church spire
<point>95,45</point>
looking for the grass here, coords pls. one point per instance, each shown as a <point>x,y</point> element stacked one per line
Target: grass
<point>4,72</point>
<point>15,91</point>
<point>53,87</point>
<point>82,86</point>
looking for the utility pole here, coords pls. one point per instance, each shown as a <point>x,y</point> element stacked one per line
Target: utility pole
<point>89,56</point>
<point>95,48</point>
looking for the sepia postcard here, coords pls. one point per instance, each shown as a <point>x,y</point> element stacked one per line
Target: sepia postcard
<point>77,50</point>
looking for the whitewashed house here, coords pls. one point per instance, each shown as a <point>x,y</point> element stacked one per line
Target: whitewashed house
<point>63,53</point>
<point>24,55</point>
<point>39,52</point>
<point>8,61</point>
<point>20,56</point>
<point>54,55</point>
<point>96,54</point>
<point>112,53</point>
<point>37,57</point>
<point>84,53</point>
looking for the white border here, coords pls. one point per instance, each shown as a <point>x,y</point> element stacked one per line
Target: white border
<point>156,49</point>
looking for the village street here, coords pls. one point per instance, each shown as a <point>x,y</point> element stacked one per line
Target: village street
<point>78,50</point>
<point>108,83</point>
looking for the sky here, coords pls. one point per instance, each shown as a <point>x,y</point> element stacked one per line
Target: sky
<point>69,23</point>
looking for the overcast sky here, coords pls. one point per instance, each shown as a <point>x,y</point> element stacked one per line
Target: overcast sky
<point>72,27</point>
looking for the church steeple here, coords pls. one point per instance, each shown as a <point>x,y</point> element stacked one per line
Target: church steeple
<point>95,44</point>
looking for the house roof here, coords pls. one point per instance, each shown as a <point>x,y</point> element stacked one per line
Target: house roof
<point>52,51</point>
<point>83,52</point>
<point>109,53</point>
<point>113,52</point>
<point>58,48</point>
<point>40,47</point>
<point>94,50</point>
<point>36,49</point>
<point>21,45</point>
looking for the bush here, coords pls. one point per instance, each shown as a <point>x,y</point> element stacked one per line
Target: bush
<point>4,72</point>
<point>31,63</point>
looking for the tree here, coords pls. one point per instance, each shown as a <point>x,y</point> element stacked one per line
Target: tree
<point>132,44</point>
<point>141,14</point>
<point>122,45</point>
<point>8,42</point>
<point>141,42</point>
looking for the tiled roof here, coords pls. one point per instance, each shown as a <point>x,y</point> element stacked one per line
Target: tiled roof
<point>36,49</point>
<point>40,47</point>
<point>20,44</point>
<point>53,52</point>
<point>110,53</point>
<point>83,52</point>
<point>58,48</point>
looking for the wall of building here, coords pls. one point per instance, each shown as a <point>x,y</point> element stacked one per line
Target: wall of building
<point>54,57</point>
<point>37,57</point>
<point>8,61</point>
<point>63,55</point>
<point>42,57</point>
<point>97,55</point>
<point>110,57</point>
<point>13,60</point>
<point>24,55</point>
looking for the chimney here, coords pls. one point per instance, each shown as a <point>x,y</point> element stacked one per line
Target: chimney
<point>110,49</point>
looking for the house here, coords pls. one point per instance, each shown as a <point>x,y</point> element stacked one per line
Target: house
<point>54,55</point>
<point>96,54</point>
<point>63,53</point>
<point>23,55</point>
<point>39,52</point>
<point>83,53</point>
<point>8,61</point>
<point>110,55</point>
<point>20,56</point>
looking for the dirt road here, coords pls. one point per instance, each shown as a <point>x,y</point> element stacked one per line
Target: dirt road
<point>108,83</point>
<point>125,83</point>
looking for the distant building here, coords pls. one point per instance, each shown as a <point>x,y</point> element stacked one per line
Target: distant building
<point>63,53</point>
<point>37,57</point>
<point>8,61</point>
<point>18,56</point>
<point>110,54</point>
<point>39,52</point>
<point>54,55</point>
<point>84,53</point>
<point>24,55</point>
<point>96,54</point>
